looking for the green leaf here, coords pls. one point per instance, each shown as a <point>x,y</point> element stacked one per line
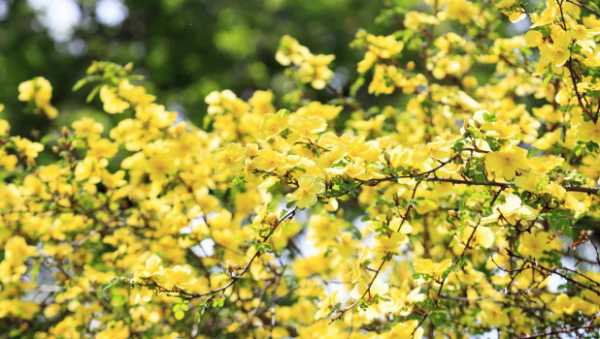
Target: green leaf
<point>356,86</point>
<point>547,80</point>
<point>118,299</point>
<point>80,84</point>
<point>206,122</point>
<point>182,307</point>
<point>568,232</point>
<point>437,318</point>
<point>479,177</point>
<point>93,93</point>
<point>489,117</point>
<point>179,315</point>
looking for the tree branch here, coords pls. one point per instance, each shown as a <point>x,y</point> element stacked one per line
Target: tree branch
<point>564,330</point>
<point>584,7</point>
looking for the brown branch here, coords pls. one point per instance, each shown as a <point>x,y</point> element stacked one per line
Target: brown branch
<point>569,65</point>
<point>504,185</point>
<point>597,253</point>
<point>568,188</point>
<point>343,311</point>
<point>539,267</point>
<point>235,278</point>
<point>409,208</point>
<point>584,7</point>
<point>439,292</point>
<point>564,330</point>
<point>562,15</point>
<point>289,215</point>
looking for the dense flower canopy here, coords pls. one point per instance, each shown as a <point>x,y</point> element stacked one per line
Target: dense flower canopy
<point>451,215</point>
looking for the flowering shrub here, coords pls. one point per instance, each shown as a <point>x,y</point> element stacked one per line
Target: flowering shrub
<point>452,215</point>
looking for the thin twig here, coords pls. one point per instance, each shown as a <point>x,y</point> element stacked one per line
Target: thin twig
<point>584,7</point>
<point>564,330</point>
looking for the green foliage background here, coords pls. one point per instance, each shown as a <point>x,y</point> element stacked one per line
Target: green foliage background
<point>186,48</point>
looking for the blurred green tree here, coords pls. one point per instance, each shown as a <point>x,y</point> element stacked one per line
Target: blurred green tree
<point>186,47</point>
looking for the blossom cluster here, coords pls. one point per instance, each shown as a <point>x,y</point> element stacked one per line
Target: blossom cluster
<point>451,213</point>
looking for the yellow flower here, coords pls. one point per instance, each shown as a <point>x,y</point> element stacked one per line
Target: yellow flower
<point>483,237</point>
<point>179,277</point>
<point>306,194</point>
<point>357,270</point>
<point>385,79</point>
<point>136,95</point>
<point>545,164</point>
<point>404,299</point>
<point>17,250</point>
<point>426,266</point>
<point>385,244</point>
<point>505,3</point>
<point>39,90</point>
<point>102,148</point>
<point>492,315</point>
<point>531,181</point>
<point>225,101</point>
<point>534,38</point>
<point>261,102</point>
<point>230,158</point>
<point>511,211</point>
<point>290,51</point>
<point>29,148</point>
<point>548,140</point>
<point>87,128</point>
<point>507,161</point>
<point>8,161</point>
<point>314,70</point>
<point>327,305</point>
<point>4,127</point>
<point>562,304</point>
<point>307,127</point>
<point>311,68</point>
<point>16,253</point>
<point>161,165</point>
<point>90,169</point>
<point>439,150</point>
<point>375,303</point>
<point>368,61</point>
<point>461,10</point>
<point>315,108</point>
<point>560,47</point>
<point>267,160</point>
<point>413,19</point>
<point>587,131</point>
<point>151,268</point>
<point>272,125</point>
<point>385,47</point>
<point>114,330</point>
<point>534,244</point>
<point>548,15</point>
<point>51,310</point>
<point>112,102</point>
<point>406,329</point>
